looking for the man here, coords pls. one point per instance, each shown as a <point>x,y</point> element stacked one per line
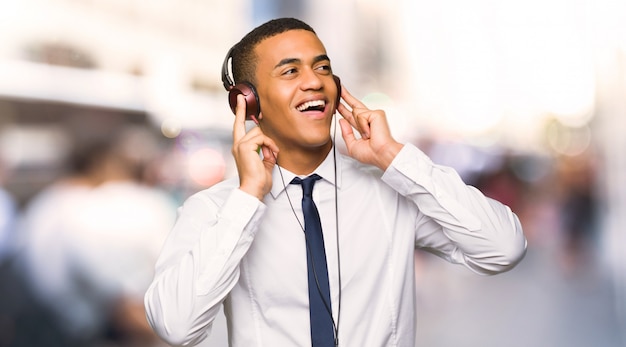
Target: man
<point>245,243</point>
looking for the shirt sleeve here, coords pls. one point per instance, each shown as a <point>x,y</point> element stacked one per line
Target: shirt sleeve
<point>199,265</point>
<point>456,221</point>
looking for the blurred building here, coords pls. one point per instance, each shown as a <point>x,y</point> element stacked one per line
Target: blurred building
<point>485,87</point>
<point>75,70</point>
<point>438,69</point>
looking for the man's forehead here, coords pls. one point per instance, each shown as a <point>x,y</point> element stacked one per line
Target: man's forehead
<point>295,45</point>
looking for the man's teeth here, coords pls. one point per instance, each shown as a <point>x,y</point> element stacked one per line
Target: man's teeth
<point>310,104</point>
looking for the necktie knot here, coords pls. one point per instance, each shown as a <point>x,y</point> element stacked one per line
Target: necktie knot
<point>307,184</point>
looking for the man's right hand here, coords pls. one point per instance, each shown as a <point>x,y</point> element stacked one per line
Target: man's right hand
<point>255,172</point>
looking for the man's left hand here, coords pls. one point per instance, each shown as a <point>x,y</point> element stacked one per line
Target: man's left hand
<point>376,146</point>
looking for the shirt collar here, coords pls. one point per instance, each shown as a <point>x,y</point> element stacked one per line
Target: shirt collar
<point>326,170</point>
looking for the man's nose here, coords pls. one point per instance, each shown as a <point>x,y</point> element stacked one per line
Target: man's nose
<point>311,80</point>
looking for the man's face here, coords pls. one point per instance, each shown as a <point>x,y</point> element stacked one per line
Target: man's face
<point>296,90</point>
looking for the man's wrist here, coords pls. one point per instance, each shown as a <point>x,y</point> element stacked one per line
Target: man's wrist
<point>251,191</point>
<point>388,154</point>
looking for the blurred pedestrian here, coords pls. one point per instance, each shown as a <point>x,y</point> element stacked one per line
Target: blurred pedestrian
<point>8,212</point>
<point>90,241</point>
<point>578,211</point>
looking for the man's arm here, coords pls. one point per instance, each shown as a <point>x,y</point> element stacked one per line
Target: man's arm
<point>199,265</point>
<point>456,221</point>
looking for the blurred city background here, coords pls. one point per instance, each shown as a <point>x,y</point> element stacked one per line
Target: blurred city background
<point>112,112</point>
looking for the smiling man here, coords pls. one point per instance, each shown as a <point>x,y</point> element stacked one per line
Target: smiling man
<point>328,259</point>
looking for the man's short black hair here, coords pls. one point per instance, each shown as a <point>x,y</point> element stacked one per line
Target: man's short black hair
<point>243,56</point>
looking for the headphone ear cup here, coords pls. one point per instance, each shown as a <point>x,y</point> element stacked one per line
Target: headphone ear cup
<point>338,83</point>
<point>253,108</point>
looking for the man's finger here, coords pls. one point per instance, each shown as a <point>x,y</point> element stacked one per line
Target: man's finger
<point>239,127</point>
<point>351,100</point>
<point>347,133</point>
<point>346,114</point>
<point>364,125</point>
<point>254,140</point>
<point>268,155</point>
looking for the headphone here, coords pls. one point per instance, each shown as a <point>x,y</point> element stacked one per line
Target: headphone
<point>253,106</point>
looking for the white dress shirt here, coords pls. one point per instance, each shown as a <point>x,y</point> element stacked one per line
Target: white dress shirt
<point>229,248</point>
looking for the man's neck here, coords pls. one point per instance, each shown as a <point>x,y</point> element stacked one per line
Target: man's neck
<point>303,161</point>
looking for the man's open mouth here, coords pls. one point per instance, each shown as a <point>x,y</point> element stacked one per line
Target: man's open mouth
<point>315,105</point>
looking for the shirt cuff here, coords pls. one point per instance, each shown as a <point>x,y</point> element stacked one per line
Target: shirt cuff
<point>411,163</point>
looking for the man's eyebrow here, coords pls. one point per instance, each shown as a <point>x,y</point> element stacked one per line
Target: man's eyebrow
<point>321,57</point>
<point>287,61</point>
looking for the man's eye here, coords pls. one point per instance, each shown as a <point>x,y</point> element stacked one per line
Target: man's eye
<point>324,68</point>
<point>290,71</point>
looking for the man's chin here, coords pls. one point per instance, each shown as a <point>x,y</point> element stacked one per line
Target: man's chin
<point>321,144</point>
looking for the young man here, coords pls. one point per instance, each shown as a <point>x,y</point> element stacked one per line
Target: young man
<point>245,243</point>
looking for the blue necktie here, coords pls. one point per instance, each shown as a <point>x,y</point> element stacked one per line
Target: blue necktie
<point>319,292</point>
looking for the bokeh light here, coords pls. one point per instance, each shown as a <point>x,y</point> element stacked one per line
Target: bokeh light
<point>206,167</point>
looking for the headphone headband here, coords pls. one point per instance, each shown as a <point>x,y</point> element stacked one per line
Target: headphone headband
<point>226,80</point>
<point>247,89</point>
